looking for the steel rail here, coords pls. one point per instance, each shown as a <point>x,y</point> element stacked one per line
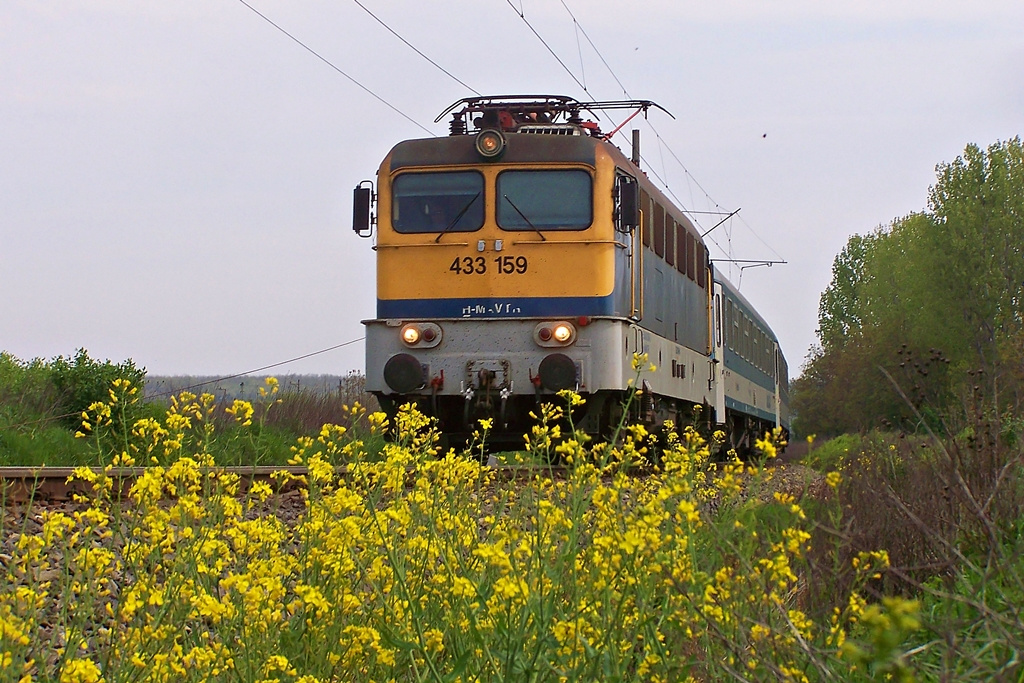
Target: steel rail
<point>23,484</point>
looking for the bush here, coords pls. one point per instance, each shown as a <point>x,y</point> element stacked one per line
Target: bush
<point>42,402</point>
<point>26,390</point>
<point>949,514</point>
<point>829,456</point>
<point>81,381</point>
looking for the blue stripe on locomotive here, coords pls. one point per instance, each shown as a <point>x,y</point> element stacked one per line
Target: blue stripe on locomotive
<point>498,307</point>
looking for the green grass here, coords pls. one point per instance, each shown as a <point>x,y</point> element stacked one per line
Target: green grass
<point>41,403</point>
<point>47,445</point>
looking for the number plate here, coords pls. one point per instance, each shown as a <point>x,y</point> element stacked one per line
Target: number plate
<point>505,264</point>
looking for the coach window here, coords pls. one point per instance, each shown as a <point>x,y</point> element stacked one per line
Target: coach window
<point>743,335</point>
<point>437,202</point>
<point>739,333</point>
<point>657,302</point>
<point>691,252</point>
<point>645,206</point>
<point>681,248</point>
<point>680,241</point>
<point>659,230</point>
<point>746,337</point>
<point>734,315</point>
<point>702,265</point>
<point>670,240</point>
<point>545,200</point>
<point>728,324</point>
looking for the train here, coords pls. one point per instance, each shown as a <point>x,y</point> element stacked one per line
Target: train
<point>525,254</point>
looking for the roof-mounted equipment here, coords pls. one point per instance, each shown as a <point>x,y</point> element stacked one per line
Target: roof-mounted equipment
<point>538,114</point>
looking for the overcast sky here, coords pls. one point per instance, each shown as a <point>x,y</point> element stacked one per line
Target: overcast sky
<point>175,177</point>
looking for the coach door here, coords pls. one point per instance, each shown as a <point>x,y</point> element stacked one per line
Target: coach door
<point>718,353</point>
<point>777,355</point>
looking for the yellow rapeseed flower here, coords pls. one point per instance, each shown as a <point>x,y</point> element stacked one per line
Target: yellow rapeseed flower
<point>242,411</point>
<point>80,671</point>
<point>433,640</point>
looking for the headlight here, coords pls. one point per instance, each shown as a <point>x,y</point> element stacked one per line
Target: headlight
<point>420,335</point>
<point>553,334</point>
<point>490,143</point>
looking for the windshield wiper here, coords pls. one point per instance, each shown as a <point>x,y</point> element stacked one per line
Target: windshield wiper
<point>523,216</point>
<point>458,217</point>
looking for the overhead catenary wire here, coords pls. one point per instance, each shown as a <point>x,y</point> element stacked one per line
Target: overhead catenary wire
<point>579,26</point>
<point>759,237</point>
<point>625,92</point>
<point>689,176</point>
<point>415,49</point>
<point>522,15</point>
<point>582,85</point>
<point>336,68</point>
<point>579,52</point>
<point>266,367</point>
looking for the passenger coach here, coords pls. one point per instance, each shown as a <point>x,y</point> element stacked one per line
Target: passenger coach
<point>525,254</point>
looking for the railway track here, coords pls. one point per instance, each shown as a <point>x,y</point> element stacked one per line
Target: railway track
<point>19,484</point>
<point>22,484</point>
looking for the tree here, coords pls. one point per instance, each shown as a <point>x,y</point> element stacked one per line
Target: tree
<point>926,298</point>
<point>839,311</point>
<point>978,204</point>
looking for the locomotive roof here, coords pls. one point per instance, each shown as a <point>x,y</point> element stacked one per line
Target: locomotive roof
<point>459,150</point>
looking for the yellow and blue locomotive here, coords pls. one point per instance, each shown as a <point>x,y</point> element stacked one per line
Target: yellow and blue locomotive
<point>525,254</point>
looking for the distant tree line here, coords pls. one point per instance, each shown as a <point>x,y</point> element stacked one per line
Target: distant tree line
<point>922,320</point>
<point>247,387</point>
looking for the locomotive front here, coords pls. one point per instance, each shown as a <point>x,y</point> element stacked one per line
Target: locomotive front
<point>499,269</point>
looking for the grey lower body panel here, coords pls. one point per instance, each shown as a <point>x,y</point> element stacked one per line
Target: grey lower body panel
<point>497,368</point>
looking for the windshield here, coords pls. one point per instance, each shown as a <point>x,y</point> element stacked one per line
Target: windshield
<point>544,200</point>
<point>438,202</point>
